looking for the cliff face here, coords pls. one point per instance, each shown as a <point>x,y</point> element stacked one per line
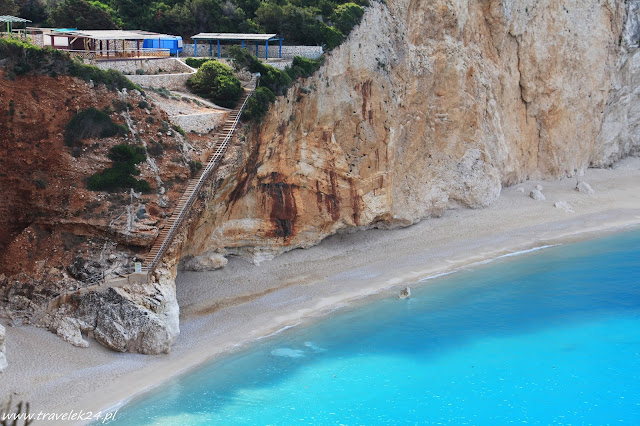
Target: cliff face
<point>620,125</point>
<point>55,234</point>
<point>427,106</point>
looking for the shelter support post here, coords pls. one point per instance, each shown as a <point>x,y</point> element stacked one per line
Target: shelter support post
<point>195,48</point>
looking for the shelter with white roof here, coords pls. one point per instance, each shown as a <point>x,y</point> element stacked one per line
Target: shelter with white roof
<point>236,37</point>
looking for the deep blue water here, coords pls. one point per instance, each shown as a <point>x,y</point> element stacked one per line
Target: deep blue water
<point>550,337</point>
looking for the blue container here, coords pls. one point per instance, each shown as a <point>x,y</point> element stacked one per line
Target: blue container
<point>173,43</point>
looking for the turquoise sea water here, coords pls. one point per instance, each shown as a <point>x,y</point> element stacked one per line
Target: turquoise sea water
<point>550,337</point>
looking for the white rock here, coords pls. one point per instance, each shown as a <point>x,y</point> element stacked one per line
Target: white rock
<point>206,262</point>
<point>144,319</point>
<point>563,205</point>
<point>405,293</point>
<point>520,189</point>
<point>3,350</point>
<point>69,330</point>
<point>585,188</point>
<point>537,195</point>
<point>539,187</point>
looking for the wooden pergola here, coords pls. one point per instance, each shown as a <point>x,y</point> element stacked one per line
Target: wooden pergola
<point>106,44</point>
<point>218,37</point>
<point>10,20</point>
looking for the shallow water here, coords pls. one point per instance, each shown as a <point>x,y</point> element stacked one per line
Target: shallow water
<point>547,337</point>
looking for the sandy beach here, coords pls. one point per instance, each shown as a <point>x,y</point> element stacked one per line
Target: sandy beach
<point>226,309</point>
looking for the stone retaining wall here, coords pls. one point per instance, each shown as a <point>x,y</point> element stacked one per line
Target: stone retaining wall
<point>288,52</point>
<point>148,65</point>
<point>199,123</point>
<point>168,81</point>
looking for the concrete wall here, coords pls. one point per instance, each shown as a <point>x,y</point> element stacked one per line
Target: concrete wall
<point>288,52</point>
<point>199,123</point>
<point>168,81</point>
<point>177,80</point>
<point>149,65</point>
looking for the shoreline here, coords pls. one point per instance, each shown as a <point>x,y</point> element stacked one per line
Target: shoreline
<point>224,311</point>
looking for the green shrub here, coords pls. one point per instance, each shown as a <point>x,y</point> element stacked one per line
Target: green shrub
<point>332,37</point>
<point>120,106</point>
<point>346,16</point>
<point>194,166</point>
<point>111,78</point>
<point>163,91</point>
<point>277,81</point>
<point>179,129</point>
<point>127,154</point>
<point>156,149</point>
<point>90,123</point>
<point>258,104</point>
<point>143,104</point>
<point>216,82</point>
<point>197,62</point>
<point>120,175</point>
<point>303,67</point>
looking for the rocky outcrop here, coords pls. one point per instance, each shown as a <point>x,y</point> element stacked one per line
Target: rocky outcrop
<point>206,262</point>
<point>585,188</point>
<point>537,195</point>
<point>427,106</point>
<point>58,240</point>
<point>142,318</point>
<point>3,349</point>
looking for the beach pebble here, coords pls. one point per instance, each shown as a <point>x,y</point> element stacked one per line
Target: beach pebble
<point>585,188</point>
<point>405,293</point>
<point>520,189</point>
<point>539,187</point>
<point>537,195</point>
<point>563,205</point>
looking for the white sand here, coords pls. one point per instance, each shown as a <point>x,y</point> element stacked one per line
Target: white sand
<point>224,309</point>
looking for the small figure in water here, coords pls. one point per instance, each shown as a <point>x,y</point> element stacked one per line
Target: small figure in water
<point>405,294</point>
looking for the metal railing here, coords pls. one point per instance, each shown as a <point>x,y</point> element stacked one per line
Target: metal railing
<point>203,177</point>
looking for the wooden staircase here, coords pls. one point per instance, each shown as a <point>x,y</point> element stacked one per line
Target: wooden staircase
<point>182,208</point>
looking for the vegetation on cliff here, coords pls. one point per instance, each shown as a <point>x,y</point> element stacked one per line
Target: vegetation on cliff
<point>216,81</point>
<point>90,123</point>
<point>273,82</point>
<point>315,22</point>
<point>20,58</point>
<point>120,174</point>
